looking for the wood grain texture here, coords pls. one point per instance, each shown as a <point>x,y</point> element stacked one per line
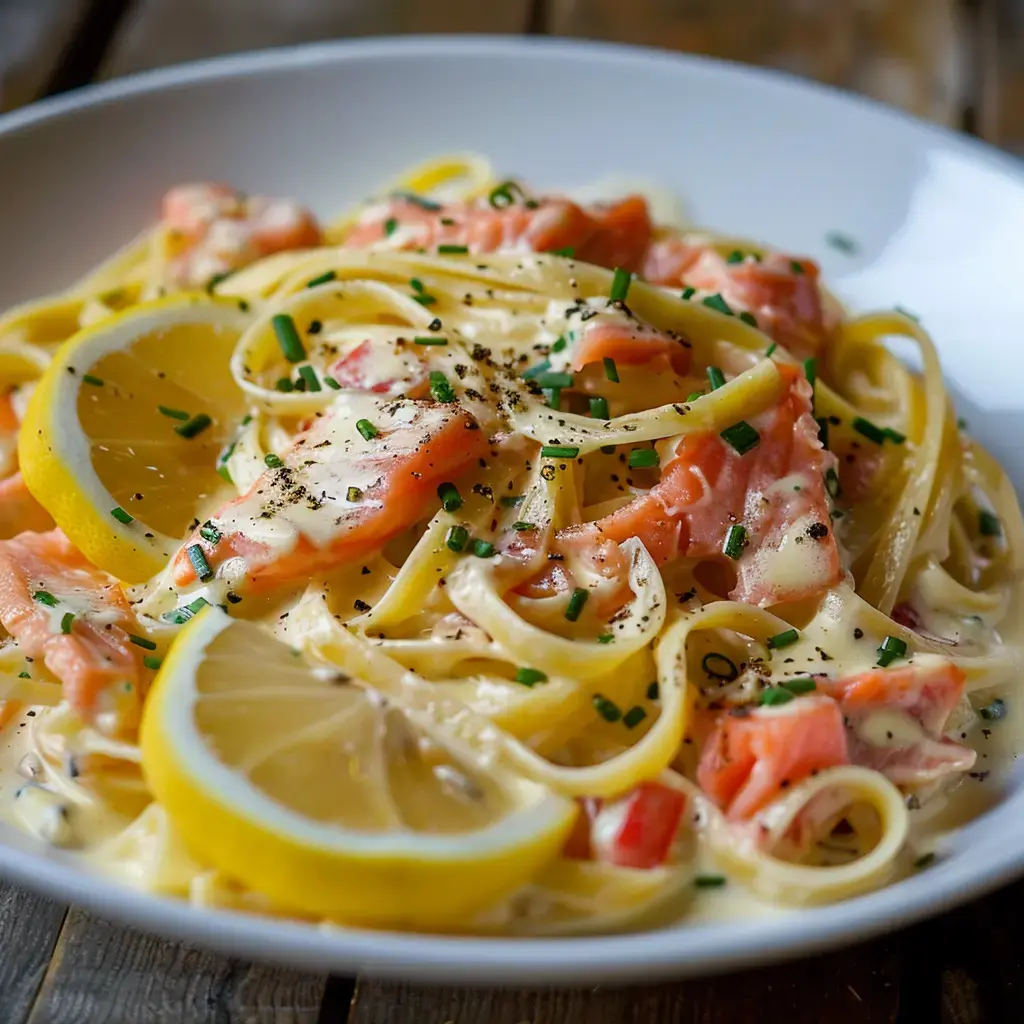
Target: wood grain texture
<point>857,986</point>
<point>29,926</point>
<point>33,35</point>
<point>905,52</point>
<point>160,32</point>
<point>101,972</point>
<point>999,62</point>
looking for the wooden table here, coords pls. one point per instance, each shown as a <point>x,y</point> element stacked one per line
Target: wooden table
<point>958,62</point>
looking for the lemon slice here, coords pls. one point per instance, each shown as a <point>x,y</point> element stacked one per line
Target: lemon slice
<point>324,796</point>
<point>95,440</point>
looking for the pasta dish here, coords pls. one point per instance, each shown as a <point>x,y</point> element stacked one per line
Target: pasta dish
<point>491,561</point>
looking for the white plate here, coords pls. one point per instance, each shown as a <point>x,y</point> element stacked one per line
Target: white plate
<point>939,220</point>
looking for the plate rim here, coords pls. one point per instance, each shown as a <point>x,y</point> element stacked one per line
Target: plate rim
<point>618,958</point>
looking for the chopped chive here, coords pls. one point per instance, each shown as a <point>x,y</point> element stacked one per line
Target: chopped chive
<point>45,597</point>
<point>549,379</point>
<point>536,371</point>
<point>530,676</point>
<point>96,382</point>
<point>993,711</point>
<point>141,641</point>
<point>66,622</point>
<point>284,384</point>
<point>805,684</point>
<point>607,449</point>
<point>606,708</point>
<point>796,266</point>
<point>121,516</point>
<point>735,540</point>
<point>354,494</point>
<point>24,675</point>
<point>734,257</point>
<point>748,318</point>
<point>308,374</point>
<point>694,395</point>
<point>511,500</point>
<point>926,860</point>
<point>611,371</point>
<point>424,300</point>
<point>620,285</point>
<point>181,615</point>
<point>653,692</point>
<point>197,605</point>
<point>559,343</point>
<point>634,716</point>
<point>174,414</point>
<point>451,500</point>
<point>868,430</point>
<point>775,695</point>
<point>367,429</point>
<point>643,458</point>
<point>568,251</point>
<point>482,548</point>
<point>894,435</point>
<point>272,461</point>
<point>457,538</point>
<point>741,436</point>
<point>195,426</point>
<point>453,250</point>
<point>605,638</point>
<point>288,337</point>
<point>811,370</point>
<point>553,397</point>
<point>599,408</point>
<point>906,312</point>
<point>440,389</point>
<point>151,662</point>
<point>390,226</point>
<point>216,280</point>
<point>709,881</point>
<point>421,201</point>
<point>520,527</point>
<point>332,383</point>
<point>989,524</point>
<point>576,603</point>
<point>770,349</point>
<point>688,293</point>
<point>559,451</point>
<point>209,532</point>
<point>892,647</point>
<point>416,285</point>
<point>327,275</point>
<point>717,303</point>
<point>843,243</point>
<point>502,195</point>
<point>199,563</point>
<point>715,378</point>
<point>432,340</point>
<point>783,639</point>
<point>718,666</point>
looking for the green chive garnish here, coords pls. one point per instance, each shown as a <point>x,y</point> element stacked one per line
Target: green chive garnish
<point>620,285</point>
<point>559,451</point>
<point>511,500</point>
<point>599,408</point>
<point>152,663</point>
<point>199,563</point>
<point>272,461</point>
<point>796,266</point>
<point>634,716</point>
<point>530,676</point>
<point>141,641</point>
<point>96,382</point>
<point>195,426</point>
<point>892,647</point>
<point>390,225</point>
<point>606,708</point>
<point>185,612</point>
<point>520,527</point>
<point>643,458</point>
<point>210,533</point>
<point>784,639</point>
<point>989,524</point>
<point>121,516</point>
<point>332,383</point>
<point>805,684</point>
<point>715,378</point>
<point>554,380</point>
<point>605,638</point>
<point>709,881</point>
<point>811,370</point>
<point>440,389</point>
<point>735,539</point>
<point>569,251</point>
<point>553,397</point>
<point>367,429</point>
<point>284,384</point>
<point>308,374</point>
<point>576,603</point>
<point>611,371</point>
<point>536,371</point>
<point>993,711</point>
<point>653,691</point>
<point>451,500</point>
<point>842,242</point>
<point>748,318</point>
<point>694,395</point>
<point>868,430</point>
<point>482,548</point>
<point>719,666</point>
<point>894,435</point>
<point>327,275</point>
<point>926,860</point>
<point>45,597</point>
<point>559,343</point>
<point>433,340</point>
<point>66,622</point>
<point>770,349</point>
<point>424,300</point>
<point>421,201</point>
<point>288,337</point>
<point>457,538</point>
<point>717,303</point>
<point>741,436</point>
<point>174,414</point>
<point>775,695</point>
<point>453,250</point>
<point>734,257</point>
<point>688,293</point>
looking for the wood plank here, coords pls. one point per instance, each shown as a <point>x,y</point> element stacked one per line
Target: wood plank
<point>29,926</point>
<point>999,60</point>
<point>857,986</point>
<point>33,35</point>
<point>101,971</point>
<point>160,32</point>
<point>909,53</point>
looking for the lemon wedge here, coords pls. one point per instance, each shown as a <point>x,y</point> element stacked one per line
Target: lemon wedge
<point>324,796</point>
<point>121,436</point>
